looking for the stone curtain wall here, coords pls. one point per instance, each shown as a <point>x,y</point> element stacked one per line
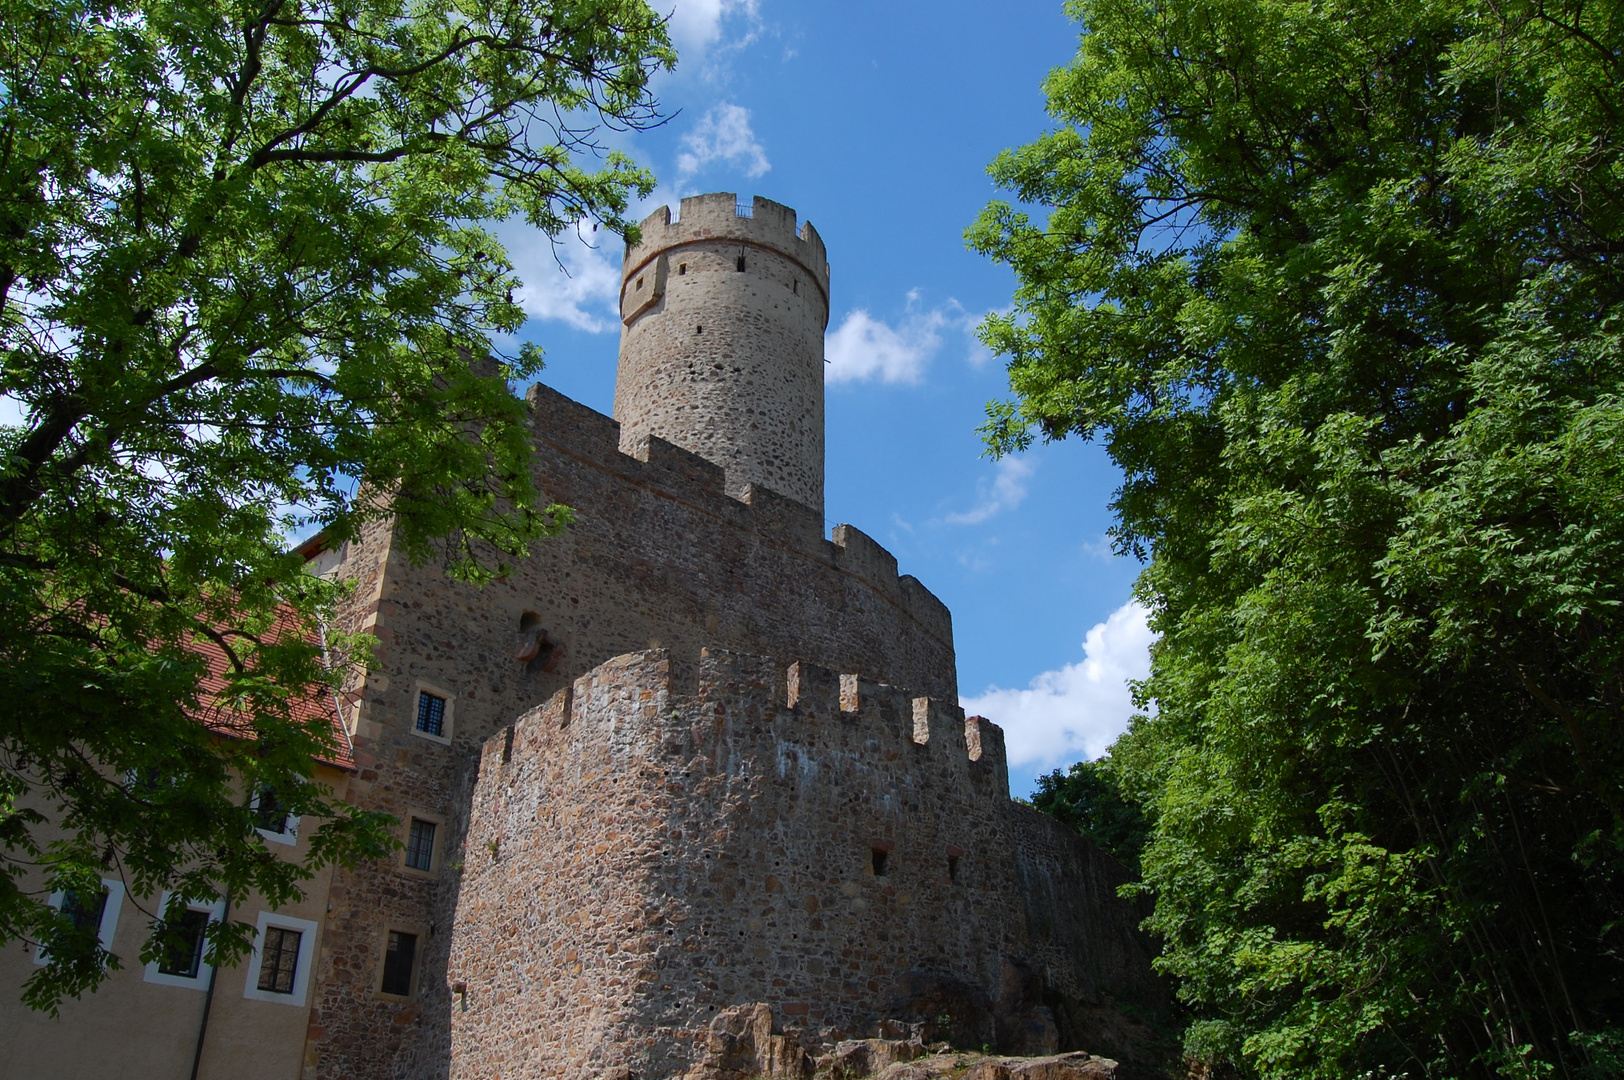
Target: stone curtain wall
<point>655,846</point>
<point>723,361</point>
<point>659,556</point>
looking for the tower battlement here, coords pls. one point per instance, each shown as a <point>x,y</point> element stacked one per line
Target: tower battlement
<point>767,225</point>
<point>721,344</point>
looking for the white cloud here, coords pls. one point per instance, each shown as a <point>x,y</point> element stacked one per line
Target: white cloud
<point>577,282</point>
<point>1079,710</point>
<point>723,134</point>
<point>696,25</point>
<point>864,348</point>
<point>1006,491</point>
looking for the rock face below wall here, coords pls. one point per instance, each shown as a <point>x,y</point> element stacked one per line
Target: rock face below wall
<point>662,842</point>
<point>743,1044</point>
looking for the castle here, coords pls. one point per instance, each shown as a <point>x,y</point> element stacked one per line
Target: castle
<point>690,755</point>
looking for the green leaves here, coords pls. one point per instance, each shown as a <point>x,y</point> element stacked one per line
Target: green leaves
<point>1337,286</point>
<point>248,282</point>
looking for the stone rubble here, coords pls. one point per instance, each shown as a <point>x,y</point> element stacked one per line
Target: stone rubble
<point>742,1045</point>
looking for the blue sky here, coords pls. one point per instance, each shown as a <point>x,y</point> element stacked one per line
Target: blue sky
<point>876,120</point>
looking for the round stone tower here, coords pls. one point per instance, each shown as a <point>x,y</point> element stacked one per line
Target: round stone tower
<point>721,342</point>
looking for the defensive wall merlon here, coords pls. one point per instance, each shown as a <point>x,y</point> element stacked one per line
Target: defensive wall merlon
<point>670,471</point>
<point>721,216</point>
<point>807,704</point>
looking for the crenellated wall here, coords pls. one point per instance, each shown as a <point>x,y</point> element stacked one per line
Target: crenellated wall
<point>665,839</point>
<point>659,556</point>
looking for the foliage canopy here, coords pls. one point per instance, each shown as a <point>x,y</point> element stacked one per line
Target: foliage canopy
<point>1088,797</point>
<point>245,259</point>
<point>1338,285</point>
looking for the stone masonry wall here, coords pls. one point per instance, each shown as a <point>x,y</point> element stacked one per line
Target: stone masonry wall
<point>662,841</point>
<point>721,348</point>
<point>660,555</point>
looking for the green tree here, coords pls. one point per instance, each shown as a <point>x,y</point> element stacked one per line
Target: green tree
<point>1339,286</point>
<point>245,259</point>
<point>1088,797</point>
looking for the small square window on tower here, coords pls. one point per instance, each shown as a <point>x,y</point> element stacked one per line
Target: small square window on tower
<point>399,963</point>
<point>420,845</point>
<point>430,713</point>
<point>433,713</point>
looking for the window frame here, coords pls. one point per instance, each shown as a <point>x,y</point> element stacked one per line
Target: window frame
<point>105,930</point>
<point>437,855</point>
<point>447,720</point>
<point>200,981</point>
<point>413,820</point>
<point>290,832</point>
<point>383,961</point>
<point>301,972</point>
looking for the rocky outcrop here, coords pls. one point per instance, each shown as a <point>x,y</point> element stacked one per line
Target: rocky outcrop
<point>742,1044</point>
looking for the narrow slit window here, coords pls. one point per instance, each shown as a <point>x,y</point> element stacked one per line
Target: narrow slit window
<point>398,961</point>
<point>420,845</point>
<point>682,268</point>
<point>431,714</point>
<point>879,860</point>
<point>953,869</point>
<point>279,966</point>
<point>739,266</point>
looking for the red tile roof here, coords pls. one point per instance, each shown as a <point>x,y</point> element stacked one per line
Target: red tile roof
<point>314,710</point>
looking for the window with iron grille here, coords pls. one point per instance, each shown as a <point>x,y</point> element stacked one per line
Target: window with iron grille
<point>420,845</point>
<point>431,714</point>
<point>279,963</point>
<point>184,955</point>
<point>398,959</point>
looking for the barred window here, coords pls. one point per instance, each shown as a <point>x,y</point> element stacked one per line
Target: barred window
<point>431,714</point>
<point>184,955</point>
<point>279,963</point>
<point>398,960</point>
<point>420,845</point>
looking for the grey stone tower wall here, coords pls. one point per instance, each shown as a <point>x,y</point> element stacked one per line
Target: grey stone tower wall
<point>724,362</point>
<point>666,839</point>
